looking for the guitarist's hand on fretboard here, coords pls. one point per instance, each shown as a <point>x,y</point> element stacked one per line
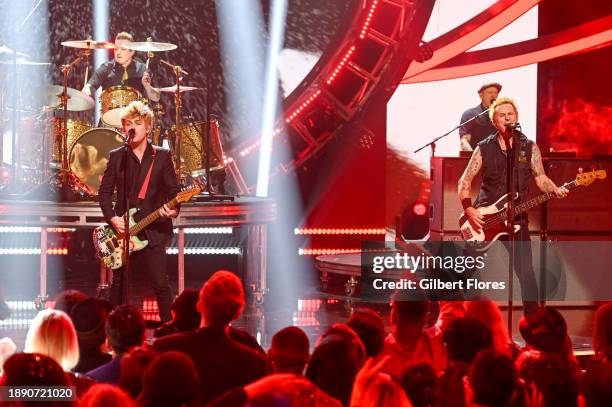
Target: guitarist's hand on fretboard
<point>560,192</point>
<point>166,212</point>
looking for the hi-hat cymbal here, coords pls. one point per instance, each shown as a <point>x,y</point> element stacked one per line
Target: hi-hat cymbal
<point>149,46</point>
<point>88,44</point>
<point>6,50</point>
<point>23,61</point>
<point>77,100</point>
<point>172,89</point>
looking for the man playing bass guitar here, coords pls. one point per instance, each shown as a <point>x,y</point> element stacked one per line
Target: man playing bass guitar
<point>151,183</point>
<point>490,157</point>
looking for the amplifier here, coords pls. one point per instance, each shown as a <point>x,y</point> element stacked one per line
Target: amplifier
<point>586,210</point>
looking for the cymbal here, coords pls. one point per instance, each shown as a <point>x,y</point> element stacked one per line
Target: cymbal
<point>8,51</point>
<point>172,89</point>
<point>23,61</point>
<point>88,44</point>
<point>77,100</point>
<point>149,46</point>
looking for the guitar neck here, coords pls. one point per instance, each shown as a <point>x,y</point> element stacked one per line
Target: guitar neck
<point>150,218</point>
<point>532,203</point>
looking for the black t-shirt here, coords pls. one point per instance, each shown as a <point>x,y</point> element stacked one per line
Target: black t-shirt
<point>111,74</point>
<point>480,128</point>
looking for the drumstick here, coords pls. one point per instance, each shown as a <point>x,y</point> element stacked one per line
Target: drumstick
<point>86,74</point>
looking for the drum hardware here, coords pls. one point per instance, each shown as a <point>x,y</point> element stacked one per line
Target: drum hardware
<point>89,44</point>
<point>172,89</point>
<point>177,120</point>
<point>77,100</point>
<point>62,180</point>
<point>150,46</point>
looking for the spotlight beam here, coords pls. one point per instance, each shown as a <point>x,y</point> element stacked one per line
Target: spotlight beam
<point>100,23</point>
<point>277,33</point>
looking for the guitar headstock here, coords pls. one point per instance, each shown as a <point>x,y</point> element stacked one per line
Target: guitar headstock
<point>587,178</point>
<point>188,192</point>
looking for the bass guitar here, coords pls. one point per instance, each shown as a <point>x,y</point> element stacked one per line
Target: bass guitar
<point>495,215</point>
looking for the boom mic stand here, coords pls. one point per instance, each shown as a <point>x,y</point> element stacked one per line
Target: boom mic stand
<point>432,143</point>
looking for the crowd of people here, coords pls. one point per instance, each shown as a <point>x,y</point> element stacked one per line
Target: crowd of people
<point>464,357</point>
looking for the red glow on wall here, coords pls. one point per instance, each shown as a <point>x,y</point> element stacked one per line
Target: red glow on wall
<point>581,126</point>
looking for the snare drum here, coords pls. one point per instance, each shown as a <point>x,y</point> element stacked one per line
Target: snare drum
<point>113,100</point>
<point>90,152</point>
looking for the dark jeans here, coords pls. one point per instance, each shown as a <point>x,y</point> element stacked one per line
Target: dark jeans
<point>152,262</point>
<point>523,267</point>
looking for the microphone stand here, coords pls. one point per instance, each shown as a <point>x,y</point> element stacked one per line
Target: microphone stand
<point>125,280</point>
<point>510,160</point>
<point>433,142</point>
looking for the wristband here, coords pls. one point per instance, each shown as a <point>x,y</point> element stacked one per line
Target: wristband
<point>466,203</point>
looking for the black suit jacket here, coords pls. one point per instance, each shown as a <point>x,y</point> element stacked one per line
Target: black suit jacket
<point>162,188</point>
<point>222,362</point>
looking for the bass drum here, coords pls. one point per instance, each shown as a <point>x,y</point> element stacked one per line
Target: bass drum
<point>89,155</point>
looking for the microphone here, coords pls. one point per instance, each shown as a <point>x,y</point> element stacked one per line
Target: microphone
<point>512,126</point>
<point>131,134</point>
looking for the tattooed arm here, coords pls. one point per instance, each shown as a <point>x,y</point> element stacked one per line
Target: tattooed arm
<point>465,184</point>
<point>473,167</point>
<point>544,183</point>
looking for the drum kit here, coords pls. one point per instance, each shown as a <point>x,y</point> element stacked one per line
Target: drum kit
<point>75,153</point>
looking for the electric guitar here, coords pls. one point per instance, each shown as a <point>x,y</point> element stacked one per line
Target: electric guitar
<point>109,244</point>
<point>496,214</point>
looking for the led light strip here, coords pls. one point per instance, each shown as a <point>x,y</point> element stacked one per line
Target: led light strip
<point>206,250</point>
<point>324,251</point>
<point>207,231</point>
<point>297,111</point>
<point>339,231</point>
<point>366,25</point>
<point>343,62</point>
<point>31,251</point>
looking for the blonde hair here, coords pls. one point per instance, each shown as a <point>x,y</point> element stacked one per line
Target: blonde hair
<point>124,36</point>
<point>504,100</point>
<point>138,108</point>
<point>383,391</point>
<point>52,333</point>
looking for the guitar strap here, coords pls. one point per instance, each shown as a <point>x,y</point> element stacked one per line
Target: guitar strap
<point>145,184</point>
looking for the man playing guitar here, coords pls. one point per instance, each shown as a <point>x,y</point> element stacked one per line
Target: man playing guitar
<point>490,157</point>
<point>151,183</point>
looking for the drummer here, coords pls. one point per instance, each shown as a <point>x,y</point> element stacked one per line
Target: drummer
<point>123,70</point>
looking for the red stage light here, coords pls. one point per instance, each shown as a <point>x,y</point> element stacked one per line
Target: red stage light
<point>339,231</point>
<point>419,209</point>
